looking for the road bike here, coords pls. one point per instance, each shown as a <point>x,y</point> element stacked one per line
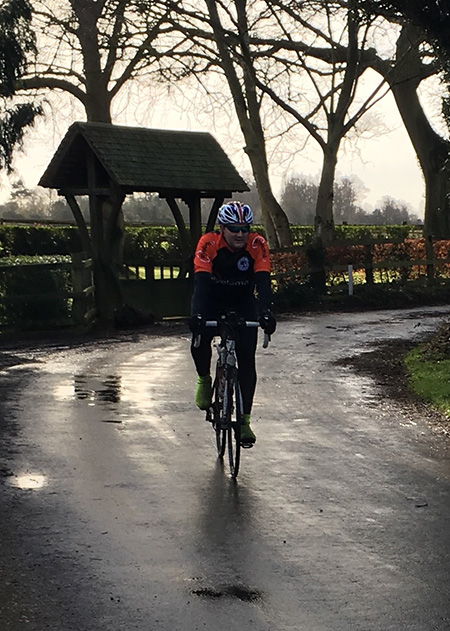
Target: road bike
<point>226,410</point>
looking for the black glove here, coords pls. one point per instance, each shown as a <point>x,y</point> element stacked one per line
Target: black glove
<point>268,322</point>
<point>196,323</point>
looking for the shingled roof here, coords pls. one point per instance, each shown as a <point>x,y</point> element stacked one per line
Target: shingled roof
<point>145,160</point>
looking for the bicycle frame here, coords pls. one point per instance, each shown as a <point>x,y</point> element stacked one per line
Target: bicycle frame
<point>226,411</point>
<point>227,408</point>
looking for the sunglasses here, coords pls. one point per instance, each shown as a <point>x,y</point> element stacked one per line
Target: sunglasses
<point>236,229</point>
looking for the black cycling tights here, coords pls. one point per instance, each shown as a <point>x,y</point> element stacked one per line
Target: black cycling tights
<point>245,353</point>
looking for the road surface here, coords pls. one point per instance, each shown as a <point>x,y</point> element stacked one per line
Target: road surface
<point>115,514</point>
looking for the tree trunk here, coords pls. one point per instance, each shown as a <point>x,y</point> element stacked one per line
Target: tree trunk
<point>98,100</point>
<point>278,235</point>
<point>431,149</point>
<point>432,152</point>
<point>276,221</point>
<point>247,107</point>
<point>324,222</point>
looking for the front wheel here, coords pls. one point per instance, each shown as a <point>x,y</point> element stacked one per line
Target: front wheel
<point>234,408</point>
<point>221,441</point>
<point>221,434</point>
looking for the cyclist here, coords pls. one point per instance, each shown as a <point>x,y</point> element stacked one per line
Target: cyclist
<point>228,265</point>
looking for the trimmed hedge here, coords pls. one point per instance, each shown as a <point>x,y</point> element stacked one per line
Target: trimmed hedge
<point>22,288</point>
<point>160,242</point>
<point>155,242</point>
<point>16,240</point>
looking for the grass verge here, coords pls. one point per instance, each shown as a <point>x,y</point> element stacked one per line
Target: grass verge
<point>428,367</point>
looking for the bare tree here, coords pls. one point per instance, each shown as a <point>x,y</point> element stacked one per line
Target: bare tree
<point>405,72</point>
<point>422,50</point>
<point>220,34</point>
<point>306,58</point>
<point>91,50</point>
<point>316,64</point>
<point>299,199</point>
<point>402,72</point>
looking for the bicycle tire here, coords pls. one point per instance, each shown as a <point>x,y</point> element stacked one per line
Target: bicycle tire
<point>221,434</point>
<point>234,412</point>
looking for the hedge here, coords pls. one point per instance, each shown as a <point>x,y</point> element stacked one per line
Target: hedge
<point>160,242</point>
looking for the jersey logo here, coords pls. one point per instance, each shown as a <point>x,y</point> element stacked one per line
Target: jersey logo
<point>260,243</point>
<point>202,253</point>
<point>243,264</point>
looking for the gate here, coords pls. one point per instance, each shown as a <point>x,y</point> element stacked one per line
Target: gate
<point>163,289</point>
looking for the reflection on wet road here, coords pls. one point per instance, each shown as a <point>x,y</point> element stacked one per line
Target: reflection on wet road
<point>126,519</point>
<point>93,387</point>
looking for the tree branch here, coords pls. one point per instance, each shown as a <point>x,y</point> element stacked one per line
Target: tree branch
<point>42,82</point>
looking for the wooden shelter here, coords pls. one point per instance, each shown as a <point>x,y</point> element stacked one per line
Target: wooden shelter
<point>102,160</point>
<point>107,162</point>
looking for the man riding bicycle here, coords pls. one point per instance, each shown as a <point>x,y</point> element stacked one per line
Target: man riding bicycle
<point>229,265</point>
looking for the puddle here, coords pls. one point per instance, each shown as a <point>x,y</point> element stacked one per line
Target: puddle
<point>29,481</point>
<point>93,388</point>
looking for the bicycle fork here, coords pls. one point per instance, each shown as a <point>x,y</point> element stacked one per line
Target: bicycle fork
<point>227,366</point>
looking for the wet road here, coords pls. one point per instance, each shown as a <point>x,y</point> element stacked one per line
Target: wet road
<point>115,513</point>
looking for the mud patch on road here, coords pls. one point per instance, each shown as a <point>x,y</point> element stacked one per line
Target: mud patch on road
<point>385,365</point>
<point>229,591</point>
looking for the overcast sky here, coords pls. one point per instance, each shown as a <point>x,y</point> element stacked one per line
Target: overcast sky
<point>386,164</point>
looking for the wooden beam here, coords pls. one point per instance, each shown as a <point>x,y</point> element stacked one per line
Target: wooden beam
<point>213,213</point>
<point>195,218</point>
<point>81,224</point>
<point>181,225</point>
<point>91,190</point>
<point>185,194</point>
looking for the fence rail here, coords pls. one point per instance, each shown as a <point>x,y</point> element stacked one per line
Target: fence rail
<point>150,270</point>
<point>165,286</point>
<point>365,259</point>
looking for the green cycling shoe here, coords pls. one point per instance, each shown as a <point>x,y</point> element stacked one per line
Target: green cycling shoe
<point>203,392</point>
<point>248,437</point>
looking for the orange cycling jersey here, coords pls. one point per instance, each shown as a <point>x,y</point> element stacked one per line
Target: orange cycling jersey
<point>213,255</point>
<point>232,274</point>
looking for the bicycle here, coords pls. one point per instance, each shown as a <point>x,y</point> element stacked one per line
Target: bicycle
<point>226,410</point>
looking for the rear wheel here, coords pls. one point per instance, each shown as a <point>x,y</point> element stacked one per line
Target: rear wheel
<point>234,410</point>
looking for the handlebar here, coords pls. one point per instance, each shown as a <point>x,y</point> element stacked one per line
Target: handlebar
<point>247,323</point>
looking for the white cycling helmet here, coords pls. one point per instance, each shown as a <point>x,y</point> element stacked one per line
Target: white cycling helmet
<point>235,212</point>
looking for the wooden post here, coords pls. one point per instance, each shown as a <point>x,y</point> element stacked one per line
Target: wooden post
<point>213,214</point>
<point>429,251</point>
<point>79,305</point>
<point>96,240</point>
<point>195,219</point>
<point>149,270</point>
<point>368,263</point>
<point>108,296</point>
